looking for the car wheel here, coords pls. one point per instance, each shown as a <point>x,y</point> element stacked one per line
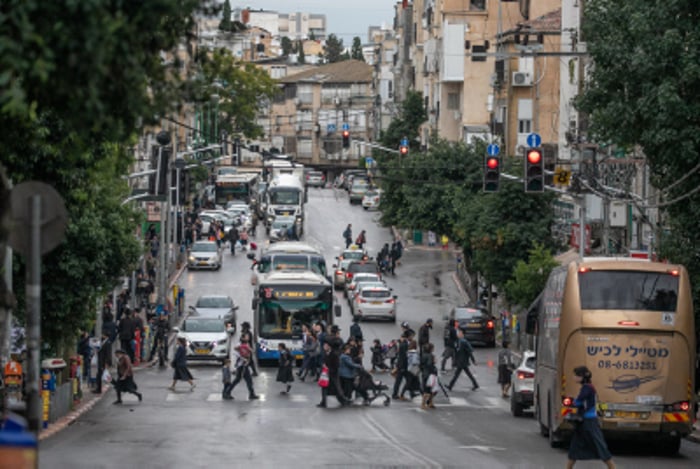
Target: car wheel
<point>364,208</point>
<point>492,344</point>
<point>515,408</point>
<point>670,446</point>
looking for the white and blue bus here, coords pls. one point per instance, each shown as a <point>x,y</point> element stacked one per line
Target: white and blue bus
<point>282,303</point>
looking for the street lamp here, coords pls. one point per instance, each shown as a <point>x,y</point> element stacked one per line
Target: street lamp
<point>179,164</point>
<point>163,139</point>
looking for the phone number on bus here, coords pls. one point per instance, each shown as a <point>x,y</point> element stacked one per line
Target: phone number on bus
<point>627,365</point>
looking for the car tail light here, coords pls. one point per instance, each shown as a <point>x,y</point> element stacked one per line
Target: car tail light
<point>348,275</point>
<point>361,300</point>
<point>567,401</point>
<point>525,375</point>
<point>338,272</point>
<point>390,301</point>
<point>489,324</point>
<point>682,406</point>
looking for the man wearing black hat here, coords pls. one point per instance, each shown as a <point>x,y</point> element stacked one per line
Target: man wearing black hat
<point>407,331</point>
<point>424,333</point>
<point>125,381</point>
<point>401,361</point>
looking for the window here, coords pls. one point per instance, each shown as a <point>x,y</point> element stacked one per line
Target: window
<point>305,93</point>
<point>625,290</point>
<point>453,101</point>
<point>477,5</point>
<point>524,116</point>
<point>524,126</point>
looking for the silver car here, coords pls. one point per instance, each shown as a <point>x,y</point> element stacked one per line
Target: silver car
<point>204,255</point>
<point>207,338</point>
<point>215,306</point>
<point>375,302</point>
<point>522,394</point>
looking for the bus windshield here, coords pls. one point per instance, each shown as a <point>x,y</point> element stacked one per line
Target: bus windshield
<point>628,290</point>
<point>292,262</point>
<point>280,319</point>
<point>285,197</point>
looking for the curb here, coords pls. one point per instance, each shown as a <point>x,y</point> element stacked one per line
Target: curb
<point>694,437</point>
<point>71,417</point>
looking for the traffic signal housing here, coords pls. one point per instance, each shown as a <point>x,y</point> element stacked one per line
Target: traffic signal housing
<point>346,139</point>
<point>534,170</point>
<point>403,150</point>
<point>492,173</point>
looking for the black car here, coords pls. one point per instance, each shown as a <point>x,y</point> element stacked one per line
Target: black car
<point>477,324</point>
<point>368,266</point>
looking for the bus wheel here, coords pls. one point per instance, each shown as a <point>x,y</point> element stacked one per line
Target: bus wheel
<point>670,446</point>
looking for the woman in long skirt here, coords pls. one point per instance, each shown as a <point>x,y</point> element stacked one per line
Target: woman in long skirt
<point>285,375</point>
<point>179,363</point>
<point>587,442</point>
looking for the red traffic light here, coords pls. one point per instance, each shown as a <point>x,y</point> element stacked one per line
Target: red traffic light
<point>492,163</point>
<point>346,133</point>
<point>403,150</point>
<point>534,156</point>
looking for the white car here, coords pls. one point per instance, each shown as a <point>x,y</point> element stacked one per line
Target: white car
<point>207,338</point>
<point>371,199</point>
<point>523,388</point>
<point>360,277</point>
<point>204,255</point>
<point>215,306</point>
<point>375,302</point>
<point>359,286</point>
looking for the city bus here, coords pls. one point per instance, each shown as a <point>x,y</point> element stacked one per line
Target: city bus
<point>631,322</point>
<point>239,186</point>
<point>287,255</point>
<point>282,303</point>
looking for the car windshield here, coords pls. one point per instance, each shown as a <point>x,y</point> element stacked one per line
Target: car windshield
<point>363,285</point>
<point>202,325</point>
<point>366,278</point>
<point>354,255</point>
<point>285,197</point>
<point>214,302</point>
<point>360,185</point>
<point>530,362</point>
<point>204,247</point>
<point>468,313</point>
<point>357,267</point>
<point>371,193</point>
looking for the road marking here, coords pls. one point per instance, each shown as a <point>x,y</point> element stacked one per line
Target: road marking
<point>214,397</point>
<point>483,449</point>
<point>174,397</point>
<point>298,398</point>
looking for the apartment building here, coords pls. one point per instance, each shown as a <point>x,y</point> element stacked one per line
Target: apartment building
<point>295,26</point>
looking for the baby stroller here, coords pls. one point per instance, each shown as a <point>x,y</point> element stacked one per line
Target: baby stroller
<point>384,265</point>
<point>371,389</point>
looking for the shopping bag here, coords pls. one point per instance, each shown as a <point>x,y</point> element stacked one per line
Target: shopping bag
<point>106,376</point>
<point>324,380</point>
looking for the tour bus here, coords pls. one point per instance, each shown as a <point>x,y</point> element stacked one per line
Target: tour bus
<point>288,255</point>
<point>631,323</point>
<point>285,301</point>
<point>284,196</point>
<point>239,186</point>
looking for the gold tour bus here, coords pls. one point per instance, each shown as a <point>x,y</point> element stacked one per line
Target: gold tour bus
<point>631,323</point>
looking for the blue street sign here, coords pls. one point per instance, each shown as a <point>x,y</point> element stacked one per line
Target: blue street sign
<point>369,162</point>
<point>492,149</point>
<point>346,126</point>
<point>404,142</point>
<point>534,140</point>
<point>330,128</point>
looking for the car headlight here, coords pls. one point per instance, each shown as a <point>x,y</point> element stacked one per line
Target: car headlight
<point>191,258</point>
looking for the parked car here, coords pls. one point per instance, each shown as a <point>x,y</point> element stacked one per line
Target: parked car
<point>365,266</point>
<point>375,302</point>
<point>477,324</point>
<point>371,199</point>
<point>215,306</point>
<point>208,339</point>
<point>204,255</point>
<point>523,389</point>
<point>315,179</point>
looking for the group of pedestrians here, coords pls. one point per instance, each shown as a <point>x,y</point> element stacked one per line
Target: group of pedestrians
<point>389,256</point>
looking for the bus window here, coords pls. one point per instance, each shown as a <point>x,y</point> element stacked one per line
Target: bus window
<point>290,262</point>
<point>265,265</point>
<point>628,290</point>
<point>318,265</point>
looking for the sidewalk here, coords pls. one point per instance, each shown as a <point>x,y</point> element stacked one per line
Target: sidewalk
<point>90,399</point>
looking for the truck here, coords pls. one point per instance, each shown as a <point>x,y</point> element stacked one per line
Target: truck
<point>285,196</point>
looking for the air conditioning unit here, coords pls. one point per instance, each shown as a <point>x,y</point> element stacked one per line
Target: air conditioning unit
<point>522,79</point>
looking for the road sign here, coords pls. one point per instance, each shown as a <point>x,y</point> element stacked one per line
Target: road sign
<point>562,177</point>
<point>404,142</point>
<point>369,162</point>
<point>346,126</point>
<point>493,149</point>
<point>53,217</point>
<point>330,128</point>
<point>534,140</point>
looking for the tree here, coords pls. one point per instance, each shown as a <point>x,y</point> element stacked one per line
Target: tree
<point>301,57</point>
<point>357,49</point>
<point>287,46</point>
<point>225,24</point>
<point>333,49</point>
<point>241,87</point>
<point>530,277</point>
<point>643,91</point>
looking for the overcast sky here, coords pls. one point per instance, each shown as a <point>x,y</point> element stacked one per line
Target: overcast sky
<point>344,18</point>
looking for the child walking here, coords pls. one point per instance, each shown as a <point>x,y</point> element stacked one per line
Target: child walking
<point>226,379</point>
<point>378,356</point>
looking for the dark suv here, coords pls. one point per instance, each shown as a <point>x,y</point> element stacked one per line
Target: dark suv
<point>476,323</point>
<point>365,266</point>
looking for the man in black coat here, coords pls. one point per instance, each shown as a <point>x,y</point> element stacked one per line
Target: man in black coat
<point>401,364</point>
<point>465,355</point>
<point>104,360</point>
<point>127,329</point>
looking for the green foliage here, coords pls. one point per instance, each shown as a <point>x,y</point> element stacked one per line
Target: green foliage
<point>301,58</point>
<point>645,90</point>
<point>225,24</point>
<point>333,50</point>
<point>529,278</point>
<point>287,46</point>
<point>356,52</point>
<point>241,88</point>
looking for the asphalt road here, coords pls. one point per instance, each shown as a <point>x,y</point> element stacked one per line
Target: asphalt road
<point>193,429</point>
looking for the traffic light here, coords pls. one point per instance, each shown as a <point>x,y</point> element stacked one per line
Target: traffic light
<point>403,150</point>
<point>534,170</point>
<point>346,139</point>
<point>492,173</point>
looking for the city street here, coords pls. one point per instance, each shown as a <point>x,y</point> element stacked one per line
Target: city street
<point>192,429</point>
